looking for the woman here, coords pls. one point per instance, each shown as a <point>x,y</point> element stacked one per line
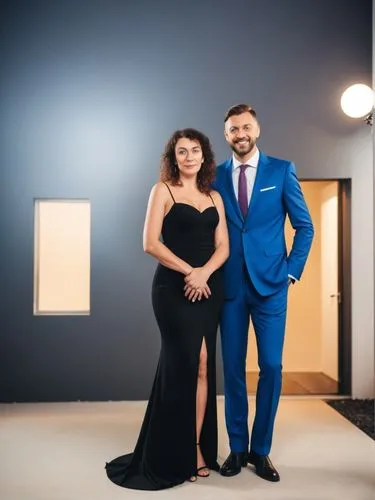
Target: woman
<point>178,438</point>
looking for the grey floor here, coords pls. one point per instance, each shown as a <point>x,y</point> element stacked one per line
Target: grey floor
<point>57,452</point>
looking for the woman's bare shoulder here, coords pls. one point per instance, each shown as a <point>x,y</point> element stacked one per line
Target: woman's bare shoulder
<point>160,188</point>
<point>216,195</point>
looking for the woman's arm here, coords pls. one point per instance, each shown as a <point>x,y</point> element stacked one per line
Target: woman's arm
<point>152,245</point>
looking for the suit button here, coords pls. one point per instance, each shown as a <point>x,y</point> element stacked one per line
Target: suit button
<point>244,230</point>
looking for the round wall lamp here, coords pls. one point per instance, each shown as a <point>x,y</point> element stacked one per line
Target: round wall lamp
<point>357,101</point>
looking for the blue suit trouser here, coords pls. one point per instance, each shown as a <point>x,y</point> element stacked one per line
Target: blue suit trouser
<point>268,315</point>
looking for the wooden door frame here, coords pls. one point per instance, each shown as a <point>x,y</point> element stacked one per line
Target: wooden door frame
<point>344,283</point>
<point>345,287</point>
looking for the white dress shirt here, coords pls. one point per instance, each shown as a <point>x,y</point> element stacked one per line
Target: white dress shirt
<point>250,173</point>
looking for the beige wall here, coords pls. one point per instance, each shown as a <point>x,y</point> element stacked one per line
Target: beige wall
<point>303,350</point>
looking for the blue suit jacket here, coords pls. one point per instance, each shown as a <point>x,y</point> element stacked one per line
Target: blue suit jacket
<point>258,242</point>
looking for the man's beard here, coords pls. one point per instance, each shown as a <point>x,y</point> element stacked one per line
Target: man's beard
<point>244,151</point>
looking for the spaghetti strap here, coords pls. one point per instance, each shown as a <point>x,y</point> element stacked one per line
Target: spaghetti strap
<point>170,192</point>
<point>212,199</point>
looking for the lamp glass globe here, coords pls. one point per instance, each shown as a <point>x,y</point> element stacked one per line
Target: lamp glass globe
<point>357,100</point>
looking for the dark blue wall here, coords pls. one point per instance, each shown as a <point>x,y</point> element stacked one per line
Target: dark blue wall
<point>90,92</point>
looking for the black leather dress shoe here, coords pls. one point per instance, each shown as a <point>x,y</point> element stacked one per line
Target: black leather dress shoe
<point>263,466</point>
<point>233,464</point>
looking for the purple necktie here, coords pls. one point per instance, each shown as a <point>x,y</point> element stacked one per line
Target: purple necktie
<point>242,191</point>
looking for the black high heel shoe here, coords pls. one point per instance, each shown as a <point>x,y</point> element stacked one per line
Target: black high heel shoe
<point>204,467</point>
<point>193,479</point>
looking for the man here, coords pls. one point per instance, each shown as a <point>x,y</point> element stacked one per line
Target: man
<point>258,192</point>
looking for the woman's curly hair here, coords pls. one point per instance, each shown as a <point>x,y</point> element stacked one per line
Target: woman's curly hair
<point>169,171</point>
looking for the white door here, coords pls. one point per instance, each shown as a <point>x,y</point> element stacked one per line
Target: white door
<point>329,268</point>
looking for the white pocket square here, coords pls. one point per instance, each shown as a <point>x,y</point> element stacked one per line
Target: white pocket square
<point>268,188</point>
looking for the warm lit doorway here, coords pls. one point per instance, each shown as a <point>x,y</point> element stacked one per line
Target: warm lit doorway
<point>317,346</point>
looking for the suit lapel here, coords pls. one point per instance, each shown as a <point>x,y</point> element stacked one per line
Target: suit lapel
<point>235,211</point>
<point>261,175</point>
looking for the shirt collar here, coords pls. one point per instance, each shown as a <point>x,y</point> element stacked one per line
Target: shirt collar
<point>252,162</point>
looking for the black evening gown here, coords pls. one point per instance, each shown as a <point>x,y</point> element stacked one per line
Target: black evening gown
<point>165,454</point>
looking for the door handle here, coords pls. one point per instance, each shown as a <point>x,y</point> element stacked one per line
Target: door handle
<point>338,295</point>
